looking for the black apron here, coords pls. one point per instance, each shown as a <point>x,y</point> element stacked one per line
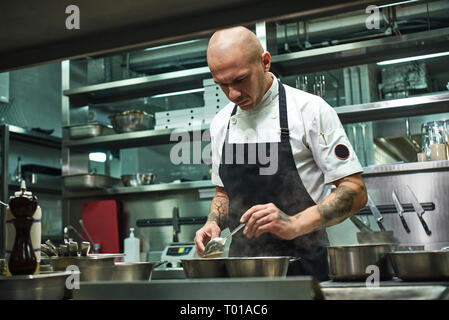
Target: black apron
<point>246,187</point>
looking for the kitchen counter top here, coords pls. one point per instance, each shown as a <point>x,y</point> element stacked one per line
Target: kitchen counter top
<point>394,289</point>
<point>287,288</point>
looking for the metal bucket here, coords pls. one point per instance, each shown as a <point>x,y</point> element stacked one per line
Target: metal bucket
<point>349,263</point>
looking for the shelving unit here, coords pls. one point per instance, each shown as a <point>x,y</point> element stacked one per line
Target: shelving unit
<point>13,133</point>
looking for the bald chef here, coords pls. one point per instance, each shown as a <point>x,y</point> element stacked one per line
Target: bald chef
<point>274,148</point>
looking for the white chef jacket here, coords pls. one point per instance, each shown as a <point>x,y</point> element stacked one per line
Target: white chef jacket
<point>316,136</point>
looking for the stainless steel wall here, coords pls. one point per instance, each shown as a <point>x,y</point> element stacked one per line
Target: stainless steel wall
<point>429,181</point>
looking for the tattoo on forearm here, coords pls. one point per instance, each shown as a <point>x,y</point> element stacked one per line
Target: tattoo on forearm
<point>219,211</point>
<point>360,185</point>
<point>339,206</point>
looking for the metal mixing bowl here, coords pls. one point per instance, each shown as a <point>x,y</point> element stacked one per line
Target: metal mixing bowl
<point>204,268</point>
<point>131,120</point>
<point>134,271</point>
<point>92,267</point>
<point>420,265</point>
<point>257,266</point>
<point>138,179</point>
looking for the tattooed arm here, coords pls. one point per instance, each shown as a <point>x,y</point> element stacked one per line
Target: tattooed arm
<point>348,198</point>
<point>216,221</point>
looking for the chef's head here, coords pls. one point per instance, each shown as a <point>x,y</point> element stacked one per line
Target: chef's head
<point>239,65</point>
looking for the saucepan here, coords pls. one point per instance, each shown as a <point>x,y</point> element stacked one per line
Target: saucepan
<point>237,267</point>
<point>424,265</point>
<point>349,263</point>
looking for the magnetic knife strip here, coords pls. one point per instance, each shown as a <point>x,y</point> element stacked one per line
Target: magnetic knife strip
<point>390,208</point>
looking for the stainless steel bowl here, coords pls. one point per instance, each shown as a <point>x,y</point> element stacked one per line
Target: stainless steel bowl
<point>48,286</point>
<point>134,271</point>
<point>420,265</point>
<point>349,263</point>
<point>131,120</point>
<point>92,267</point>
<point>257,266</point>
<point>204,268</point>
<point>138,179</point>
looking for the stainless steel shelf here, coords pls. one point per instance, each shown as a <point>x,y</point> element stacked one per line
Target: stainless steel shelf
<point>389,109</point>
<point>138,87</point>
<point>368,51</point>
<point>139,190</point>
<point>406,167</point>
<point>128,140</point>
<point>41,139</point>
<point>428,104</point>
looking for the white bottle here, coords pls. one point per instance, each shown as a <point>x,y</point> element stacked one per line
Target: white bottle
<point>132,248</point>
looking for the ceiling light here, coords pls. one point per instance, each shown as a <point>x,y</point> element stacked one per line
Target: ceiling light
<point>97,156</point>
<point>178,93</point>
<point>427,56</point>
<point>396,3</point>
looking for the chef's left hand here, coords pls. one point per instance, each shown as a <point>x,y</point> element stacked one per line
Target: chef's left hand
<point>268,218</point>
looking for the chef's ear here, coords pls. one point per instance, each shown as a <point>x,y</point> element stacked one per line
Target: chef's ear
<point>266,60</point>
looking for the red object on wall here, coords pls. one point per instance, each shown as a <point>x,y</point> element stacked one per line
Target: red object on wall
<point>101,221</point>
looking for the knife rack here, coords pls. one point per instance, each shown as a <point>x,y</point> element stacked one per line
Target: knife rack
<point>390,208</point>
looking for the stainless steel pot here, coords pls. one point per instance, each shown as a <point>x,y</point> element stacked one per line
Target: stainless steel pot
<point>349,263</point>
<point>257,266</point>
<point>134,271</point>
<point>131,120</point>
<point>420,265</point>
<point>92,267</point>
<point>205,268</point>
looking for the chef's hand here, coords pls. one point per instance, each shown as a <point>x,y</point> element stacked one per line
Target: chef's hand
<point>209,231</point>
<point>268,218</point>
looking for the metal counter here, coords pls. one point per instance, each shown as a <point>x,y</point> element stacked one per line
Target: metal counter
<point>287,288</point>
<point>387,290</point>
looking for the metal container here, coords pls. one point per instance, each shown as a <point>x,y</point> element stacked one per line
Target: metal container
<point>47,286</point>
<point>88,130</point>
<point>138,179</point>
<point>89,181</point>
<point>92,267</point>
<point>131,120</point>
<point>349,263</point>
<point>205,268</point>
<point>420,265</point>
<point>257,266</point>
<point>134,271</point>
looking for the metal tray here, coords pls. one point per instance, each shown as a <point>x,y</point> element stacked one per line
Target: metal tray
<point>89,130</point>
<point>89,181</point>
<point>46,286</point>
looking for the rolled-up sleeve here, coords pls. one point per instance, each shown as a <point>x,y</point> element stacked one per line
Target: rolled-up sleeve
<point>330,146</point>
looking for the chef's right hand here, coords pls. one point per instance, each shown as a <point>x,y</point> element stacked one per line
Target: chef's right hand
<point>209,231</point>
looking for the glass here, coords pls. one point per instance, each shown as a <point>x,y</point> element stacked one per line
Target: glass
<point>437,140</point>
<point>425,145</point>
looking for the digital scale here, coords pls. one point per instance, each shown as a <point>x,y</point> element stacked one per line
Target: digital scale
<point>175,251</point>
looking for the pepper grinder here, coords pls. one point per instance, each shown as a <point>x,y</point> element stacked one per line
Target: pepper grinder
<point>23,232</point>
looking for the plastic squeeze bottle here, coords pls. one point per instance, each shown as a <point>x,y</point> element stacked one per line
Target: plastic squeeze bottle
<point>132,248</point>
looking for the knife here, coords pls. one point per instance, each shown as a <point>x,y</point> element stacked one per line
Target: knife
<point>400,211</point>
<point>419,210</point>
<point>376,213</point>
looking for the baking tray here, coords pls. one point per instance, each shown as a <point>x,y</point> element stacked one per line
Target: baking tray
<point>45,286</point>
<point>89,181</point>
<point>89,130</point>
